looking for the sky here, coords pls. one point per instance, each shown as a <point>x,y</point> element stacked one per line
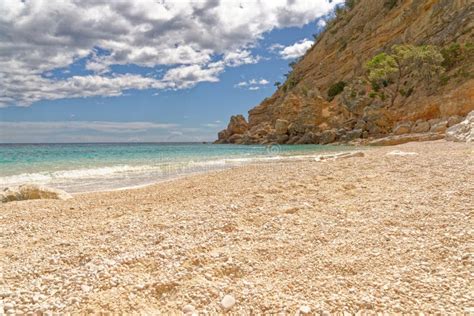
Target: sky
<point>143,70</point>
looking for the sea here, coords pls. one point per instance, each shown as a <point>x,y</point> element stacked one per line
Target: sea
<point>109,166</point>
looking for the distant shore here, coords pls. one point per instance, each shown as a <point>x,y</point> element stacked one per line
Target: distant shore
<point>386,230</point>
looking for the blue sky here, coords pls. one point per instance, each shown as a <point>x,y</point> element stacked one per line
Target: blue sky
<point>146,97</point>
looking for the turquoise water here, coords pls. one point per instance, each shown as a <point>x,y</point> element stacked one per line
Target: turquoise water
<point>91,167</point>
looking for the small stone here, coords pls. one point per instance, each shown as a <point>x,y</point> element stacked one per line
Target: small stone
<point>5,293</point>
<point>228,302</point>
<point>305,309</point>
<point>188,309</point>
<point>86,288</point>
<point>8,306</point>
<point>38,298</point>
<point>74,300</point>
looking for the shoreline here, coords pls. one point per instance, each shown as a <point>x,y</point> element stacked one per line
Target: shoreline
<point>200,167</point>
<point>252,162</point>
<point>389,231</point>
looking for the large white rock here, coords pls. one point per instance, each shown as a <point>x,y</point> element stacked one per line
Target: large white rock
<point>228,302</point>
<point>462,132</point>
<point>32,192</point>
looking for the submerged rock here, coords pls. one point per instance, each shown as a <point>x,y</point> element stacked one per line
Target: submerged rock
<point>32,192</point>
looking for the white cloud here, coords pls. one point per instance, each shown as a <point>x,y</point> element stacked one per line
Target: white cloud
<point>27,89</point>
<point>252,84</point>
<point>187,76</point>
<point>296,50</point>
<point>100,126</point>
<point>240,57</point>
<point>322,23</point>
<point>197,39</point>
<point>275,47</point>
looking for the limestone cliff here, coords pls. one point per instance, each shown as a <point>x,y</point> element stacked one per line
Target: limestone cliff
<point>328,96</point>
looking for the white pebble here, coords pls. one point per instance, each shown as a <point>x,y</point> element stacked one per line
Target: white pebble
<point>5,293</point>
<point>8,306</point>
<point>188,309</point>
<point>305,309</point>
<point>228,302</point>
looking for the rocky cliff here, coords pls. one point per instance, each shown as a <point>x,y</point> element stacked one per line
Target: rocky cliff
<point>381,68</point>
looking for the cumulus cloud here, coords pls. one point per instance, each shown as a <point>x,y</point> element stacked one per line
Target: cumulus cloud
<point>187,76</point>
<point>196,40</point>
<point>27,89</point>
<point>296,50</point>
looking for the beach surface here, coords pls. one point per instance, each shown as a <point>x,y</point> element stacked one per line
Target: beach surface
<point>388,231</point>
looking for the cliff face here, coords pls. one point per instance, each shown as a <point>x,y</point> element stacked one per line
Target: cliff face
<point>329,97</point>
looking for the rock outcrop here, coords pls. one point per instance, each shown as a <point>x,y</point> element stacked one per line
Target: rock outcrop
<point>235,130</point>
<point>32,192</point>
<point>462,132</point>
<point>328,97</point>
<point>402,139</point>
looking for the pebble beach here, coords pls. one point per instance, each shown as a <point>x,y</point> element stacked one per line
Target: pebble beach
<point>389,230</point>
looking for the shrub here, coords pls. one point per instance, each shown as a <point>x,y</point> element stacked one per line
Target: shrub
<point>444,79</point>
<point>451,55</point>
<point>343,45</point>
<point>335,89</point>
<point>390,4</point>
<point>350,4</point>
<point>406,65</point>
<point>304,91</point>
<point>406,93</point>
<point>375,86</point>
<point>291,82</point>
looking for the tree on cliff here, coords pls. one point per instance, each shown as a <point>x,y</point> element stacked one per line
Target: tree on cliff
<point>404,68</point>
